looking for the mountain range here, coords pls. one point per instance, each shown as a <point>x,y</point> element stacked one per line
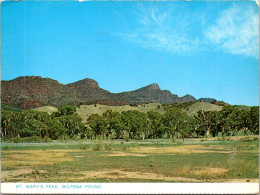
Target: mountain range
<point>35,91</point>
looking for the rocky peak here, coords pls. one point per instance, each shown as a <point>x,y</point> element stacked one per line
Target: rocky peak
<point>187,98</point>
<point>33,79</point>
<point>88,83</point>
<point>152,87</point>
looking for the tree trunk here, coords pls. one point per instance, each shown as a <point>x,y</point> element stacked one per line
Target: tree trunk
<point>5,129</point>
<point>207,132</point>
<point>234,132</point>
<point>245,130</point>
<point>143,135</point>
<point>223,131</point>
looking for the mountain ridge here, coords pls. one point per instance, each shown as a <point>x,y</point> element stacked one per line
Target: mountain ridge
<point>35,91</point>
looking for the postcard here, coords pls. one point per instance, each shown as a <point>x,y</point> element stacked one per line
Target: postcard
<point>129,97</point>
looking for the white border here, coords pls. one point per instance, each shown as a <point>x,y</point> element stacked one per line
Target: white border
<point>130,188</point>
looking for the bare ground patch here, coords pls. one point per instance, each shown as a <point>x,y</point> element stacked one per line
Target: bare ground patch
<point>121,174</point>
<point>13,173</point>
<point>19,174</point>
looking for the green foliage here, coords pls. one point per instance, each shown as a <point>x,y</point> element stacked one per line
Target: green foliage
<point>31,123</point>
<point>4,148</point>
<point>131,124</point>
<point>55,129</point>
<point>254,120</point>
<point>32,139</point>
<point>98,124</point>
<point>10,108</point>
<point>207,121</point>
<point>176,121</point>
<point>65,111</point>
<point>84,146</point>
<point>73,125</point>
<point>25,132</point>
<point>156,125</point>
<point>136,123</point>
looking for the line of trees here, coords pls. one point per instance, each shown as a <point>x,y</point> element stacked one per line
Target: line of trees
<point>131,124</point>
<point>65,123</point>
<point>174,123</point>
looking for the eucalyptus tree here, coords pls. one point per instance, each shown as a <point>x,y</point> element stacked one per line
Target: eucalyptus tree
<point>136,123</point>
<point>208,122</point>
<point>98,124</point>
<point>156,125</point>
<point>232,120</point>
<point>254,120</point>
<point>175,121</point>
<point>115,124</point>
<point>65,111</point>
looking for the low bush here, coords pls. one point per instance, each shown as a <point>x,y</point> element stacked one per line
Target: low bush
<point>126,138</point>
<point>97,146</point>
<point>108,146</point>
<point>84,146</point>
<point>33,139</point>
<point>4,148</point>
<point>248,139</point>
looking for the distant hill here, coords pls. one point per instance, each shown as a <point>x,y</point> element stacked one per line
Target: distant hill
<point>207,100</point>
<point>84,111</point>
<point>35,91</point>
<point>205,106</point>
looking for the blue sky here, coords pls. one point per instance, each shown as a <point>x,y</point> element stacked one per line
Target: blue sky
<point>206,49</point>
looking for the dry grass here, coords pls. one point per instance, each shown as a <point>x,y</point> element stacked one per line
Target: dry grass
<point>86,110</point>
<point>232,138</point>
<point>48,109</point>
<point>119,153</point>
<point>210,171</point>
<point>182,149</point>
<point>28,165</point>
<point>34,157</point>
<point>205,106</point>
<point>201,173</point>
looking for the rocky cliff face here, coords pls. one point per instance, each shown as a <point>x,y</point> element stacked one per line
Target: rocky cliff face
<point>34,91</point>
<point>24,92</point>
<point>150,93</point>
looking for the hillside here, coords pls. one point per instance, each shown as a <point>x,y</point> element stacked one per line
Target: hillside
<point>29,92</point>
<point>84,111</point>
<point>152,93</point>
<point>26,92</point>
<point>205,106</point>
<point>35,91</point>
<point>48,109</point>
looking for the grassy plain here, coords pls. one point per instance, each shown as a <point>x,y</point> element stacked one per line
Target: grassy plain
<point>161,160</point>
